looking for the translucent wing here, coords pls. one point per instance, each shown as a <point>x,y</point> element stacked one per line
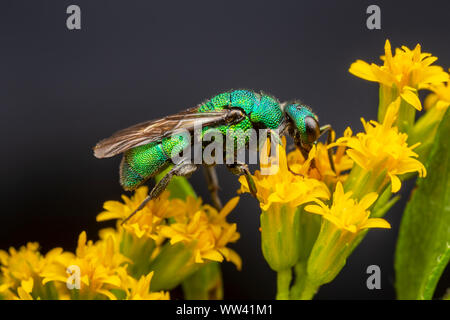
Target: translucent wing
<point>154,130</point>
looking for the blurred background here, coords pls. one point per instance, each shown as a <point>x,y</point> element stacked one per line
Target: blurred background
<point>61,91</point>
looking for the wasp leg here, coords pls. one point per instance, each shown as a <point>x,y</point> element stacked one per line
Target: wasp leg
<point>241,168</point>
<point>290,148</point>
<point>295,173</point>
<point>329,130</point>
<point>304,149</point>
<point>182,169</point>
<point>213,186</point>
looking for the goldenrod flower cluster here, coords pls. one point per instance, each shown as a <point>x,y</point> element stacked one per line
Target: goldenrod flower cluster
<point>313,216</point>
<point>405,72</point>
<point>130,262</point>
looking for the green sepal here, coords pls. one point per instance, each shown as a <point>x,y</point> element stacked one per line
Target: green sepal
<point>406,114</point>
<point>204,284</point>
<point>423,247</point>
<point>386,96</point>
<point>43,292</point>
<point>329,253</point>
<point>424,131</point>
<point>139,250</point>
<point>172,265</point>
<point>406,117</point>
<point>280,236</point>
<point>120,294</point>
<point>384,203</point>
<point>310,225</point>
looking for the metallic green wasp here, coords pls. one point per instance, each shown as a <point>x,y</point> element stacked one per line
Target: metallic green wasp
<point>147,146</point>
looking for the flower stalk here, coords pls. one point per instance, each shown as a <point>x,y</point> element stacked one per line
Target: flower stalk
<point>284,278</point>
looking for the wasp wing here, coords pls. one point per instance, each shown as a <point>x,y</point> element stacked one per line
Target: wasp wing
<point>154,130</point>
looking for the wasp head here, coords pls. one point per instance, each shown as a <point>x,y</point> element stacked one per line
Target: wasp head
<point>303,125</point>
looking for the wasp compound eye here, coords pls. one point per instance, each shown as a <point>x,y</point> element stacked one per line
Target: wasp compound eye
<point>312,129</point>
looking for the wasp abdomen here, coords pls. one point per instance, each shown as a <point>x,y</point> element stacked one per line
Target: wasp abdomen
<point>141,163</point>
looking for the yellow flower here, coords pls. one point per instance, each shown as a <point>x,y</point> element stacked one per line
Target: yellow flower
<point>25,289</point>
<point>440,98</point>
<point>348,214</point>
<point>407,71</point>
<point>196,232</point>
<point>317,165</point>
<point>341,225</point>
<point>140,289</point>
<point>281,193</point>
<point>100,267</point>
<point>207,231</point>
<point>22,270</point>
<point>181,209</point>
<point>141,251</point>
<point>383,148</point>
<point>284,186</point>
<point>425,128</point>
<point>144,222</point>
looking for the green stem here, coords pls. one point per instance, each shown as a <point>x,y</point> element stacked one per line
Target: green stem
<point>309,290</point>
<point>303,289</point>
<point>284,278</point>
<point>300,277</point>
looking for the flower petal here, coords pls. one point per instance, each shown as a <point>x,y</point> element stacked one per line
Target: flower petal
<point>396,183</point>
<point>368,200</point>
<point>412,98</point>
<point>362,70</point>
<point>375,223</point>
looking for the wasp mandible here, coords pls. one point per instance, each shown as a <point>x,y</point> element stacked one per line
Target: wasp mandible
<point>147,146</point>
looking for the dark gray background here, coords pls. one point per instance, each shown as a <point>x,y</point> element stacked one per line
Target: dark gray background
<point>61,91</point>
